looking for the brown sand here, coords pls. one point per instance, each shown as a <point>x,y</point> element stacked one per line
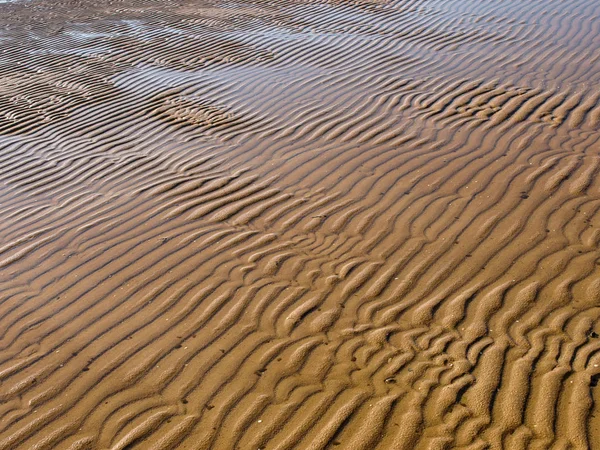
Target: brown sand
<point>299,224</point>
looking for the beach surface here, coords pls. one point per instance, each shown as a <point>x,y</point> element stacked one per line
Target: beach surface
<point>300,224</point>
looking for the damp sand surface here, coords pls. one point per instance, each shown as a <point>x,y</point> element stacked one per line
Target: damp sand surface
<point>280,225</point>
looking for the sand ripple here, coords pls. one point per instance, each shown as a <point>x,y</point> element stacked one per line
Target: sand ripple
<point>299,225</point>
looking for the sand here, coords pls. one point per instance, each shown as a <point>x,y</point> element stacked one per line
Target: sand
<point>299,224</point>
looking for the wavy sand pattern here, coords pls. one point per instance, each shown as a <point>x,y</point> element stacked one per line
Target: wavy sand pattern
<point>300,224</point>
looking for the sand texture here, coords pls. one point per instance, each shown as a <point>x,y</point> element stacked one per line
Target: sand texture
<point>299,224</point>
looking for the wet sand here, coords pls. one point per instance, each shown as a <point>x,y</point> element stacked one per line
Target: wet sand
<point>299,224</point>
